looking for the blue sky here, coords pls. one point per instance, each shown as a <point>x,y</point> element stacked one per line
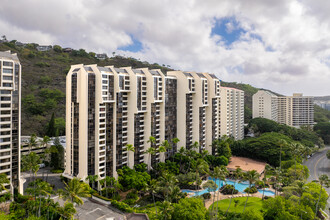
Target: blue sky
<point>229,30</point>
<point>136,46</point>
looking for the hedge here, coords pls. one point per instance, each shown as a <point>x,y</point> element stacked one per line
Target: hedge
<point>119,205</point>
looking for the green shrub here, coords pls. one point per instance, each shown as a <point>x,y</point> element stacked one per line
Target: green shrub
<point>132,195</point>
<point>57,48</point>
<point>121,206</point>
<point>251,190</point>
<point>206,195</point>
<point>57,171</point>
<point>228,189</point>
<point>42,64</point>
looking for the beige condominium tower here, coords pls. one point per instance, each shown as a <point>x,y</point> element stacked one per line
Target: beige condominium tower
<point>295,110</point>
<point>108,108</point>
<point>10,118</point>
<point>232,113</point>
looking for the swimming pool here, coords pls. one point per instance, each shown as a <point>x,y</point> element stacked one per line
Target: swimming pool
<point>239,186</point>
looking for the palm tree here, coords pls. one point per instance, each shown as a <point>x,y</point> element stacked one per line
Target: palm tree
<point>211,186</point>
<point>30,163</point>
<point>40,188</point>
<point>297,148</point>
<point>281,143</point>
<point>195,146</point>
<point>130,148</point>
<point>167,180</point>
<point>44,143</point>
<point>238,173</point>
<point>3,180</point>
<point>152,187</point>
<point>201,167</point>
<point>324,181</point>
<point>92,179</point>
<point>278,179</point>
<point>67,211</point>
<point>76,189</point>
<point>165,210</point>
<point>300,188</point>
<point>151,151</point>
<point>32,142</point>
<point>220,173</point>
<point>175,141</point>
<point>162,149</point>
<point>251,176</point>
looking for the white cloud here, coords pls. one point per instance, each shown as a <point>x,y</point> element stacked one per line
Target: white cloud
<point>178,33</point>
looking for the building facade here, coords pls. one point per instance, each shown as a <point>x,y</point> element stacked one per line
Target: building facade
<point>295,110</point>
<point>10,118</point>
<point>232,113</point>
<point>108,108</point>
<point>265,105</point>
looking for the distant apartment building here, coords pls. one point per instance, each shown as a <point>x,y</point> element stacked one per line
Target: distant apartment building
<point>265,105</point>
<point>323,104</point>
<point>10,118</point>
<point>295,110</point>
<point>232,113</point>
<point>108,108</point>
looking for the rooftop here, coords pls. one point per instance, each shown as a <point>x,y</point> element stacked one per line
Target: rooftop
<point>8,54</point>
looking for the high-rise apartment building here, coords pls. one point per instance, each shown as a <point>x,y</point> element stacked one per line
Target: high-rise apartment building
<point>108,108</point>
<point>293,110</point>
<point>265,105</point>
<point>296,110</point>
<point>232,113</point>
<point>10,118</point>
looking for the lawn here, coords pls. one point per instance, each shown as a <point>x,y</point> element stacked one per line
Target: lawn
<point>254,202</point>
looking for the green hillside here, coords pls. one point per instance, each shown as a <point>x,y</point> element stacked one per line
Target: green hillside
<point>43,81</point>
<point>43,84</point>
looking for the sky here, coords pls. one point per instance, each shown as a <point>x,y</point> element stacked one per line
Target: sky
<point>282,45</point>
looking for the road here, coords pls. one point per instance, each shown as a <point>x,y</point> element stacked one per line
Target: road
<point>319,164</point>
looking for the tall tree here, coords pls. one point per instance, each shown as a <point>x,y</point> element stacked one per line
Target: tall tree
<point>151,151</point>
<point>282,143</point>
<point>220,173</point>
<point>238,173</point>
<point>251,176</point>
<point>51,129</point>
<point>32,142</point>
<point>324,182</point>
<point>74,190</point>
<point>130,148</point>
<point>151,188</point>
<point>92,179</point>
<point>297,148</point>
<point>30,163</point>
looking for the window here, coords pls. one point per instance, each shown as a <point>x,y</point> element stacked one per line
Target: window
<point>7,70</point>
<point>5,63</point>
<point>7,78</point>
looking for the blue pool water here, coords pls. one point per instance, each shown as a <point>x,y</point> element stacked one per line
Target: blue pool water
<point>239,186</point>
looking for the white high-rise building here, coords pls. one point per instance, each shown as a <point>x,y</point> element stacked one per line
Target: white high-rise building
<point>295,110</point>
<point>232,112</point>
<point>108,108</point>
<point>10,118</point>
<point>265,105</point>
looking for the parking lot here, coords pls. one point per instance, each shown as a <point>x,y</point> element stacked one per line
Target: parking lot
<point>90,210</point>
